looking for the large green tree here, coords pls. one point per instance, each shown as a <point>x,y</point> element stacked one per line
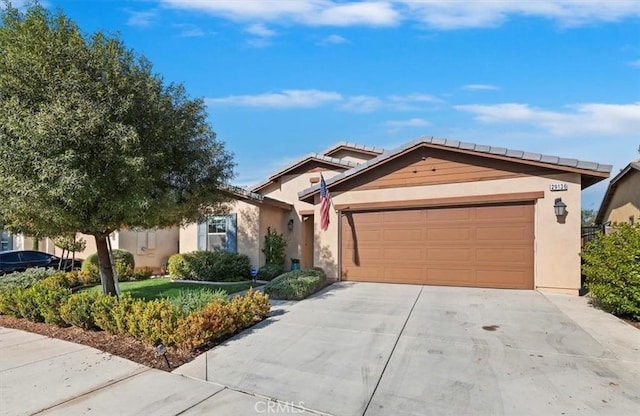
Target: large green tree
<point>92,140</point>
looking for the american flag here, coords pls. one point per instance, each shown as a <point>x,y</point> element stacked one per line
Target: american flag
<point>325,202</point>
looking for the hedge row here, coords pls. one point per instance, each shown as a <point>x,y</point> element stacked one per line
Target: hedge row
<point>213,266</point>
<point>51,301</point>
<point>296,284</point>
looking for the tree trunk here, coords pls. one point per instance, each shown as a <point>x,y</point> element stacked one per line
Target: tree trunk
<point>104,264</point>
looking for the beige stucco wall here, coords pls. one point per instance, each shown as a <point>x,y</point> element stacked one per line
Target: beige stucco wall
<point>557,245</point>
<point>188,238</point>
<point>145,252</point>
<point>287,190</point>
<point>625,202</point>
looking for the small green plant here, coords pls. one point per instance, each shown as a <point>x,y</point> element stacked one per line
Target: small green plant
<point>70,243</point>
<point>270,271</point>
<point>296,285</point>
<point>142,273</point>
<point>612,269</point>
<point>275,247</point>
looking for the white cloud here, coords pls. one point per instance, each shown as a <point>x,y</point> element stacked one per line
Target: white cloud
<point>436,14</point>
<point>456,14</point>
<point>332,40</point>
<point>260,30</point>
<point>141,18</point>
<point>362,104</point>
<point>635,63</point>
<point>413,122</point>
<point>189,31</point>
<point>306,12</point>
<point>315,98</point>
<point>479,87</point>
<point>587,119</point>
<point>283,99</point>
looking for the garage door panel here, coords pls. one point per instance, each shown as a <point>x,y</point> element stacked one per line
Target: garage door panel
<point>400,217</point>
<point>448,234</point>
<point>450,254</point>
<point>392,255</point>
<point>481,246</point>
<point>403,235</point>
<point>451,214</point>
<point>497,234</point>
<point>503,255</point>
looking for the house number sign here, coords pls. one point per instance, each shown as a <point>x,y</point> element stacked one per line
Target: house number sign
<point>558,187</point>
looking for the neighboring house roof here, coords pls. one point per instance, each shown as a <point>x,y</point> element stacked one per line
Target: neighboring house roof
<point>591,172</point>
<point>360,148</point>
<point>611,189</point>
<point>311,157</point>
<point>256,198</point>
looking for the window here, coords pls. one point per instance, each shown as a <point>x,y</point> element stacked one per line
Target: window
<point>33,256</point>
<point>218,225</point>
<point>9,258</point>
<point>217,233</point>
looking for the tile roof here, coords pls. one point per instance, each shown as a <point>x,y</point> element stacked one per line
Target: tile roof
<point>355,146</point>
<point>476,148</point>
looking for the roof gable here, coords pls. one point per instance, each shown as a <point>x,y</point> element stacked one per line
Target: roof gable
<point>591,172</point>
<point>611,189</point>
<point>311,158</point>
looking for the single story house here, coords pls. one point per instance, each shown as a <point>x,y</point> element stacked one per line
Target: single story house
<point>433,211</point>
<point>621,202</point>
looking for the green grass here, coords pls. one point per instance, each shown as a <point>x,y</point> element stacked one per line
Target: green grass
<point>165,288</point>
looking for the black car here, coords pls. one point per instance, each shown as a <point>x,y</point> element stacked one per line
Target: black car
<point>20,260</point>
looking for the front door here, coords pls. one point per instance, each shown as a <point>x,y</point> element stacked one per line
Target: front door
<point>307,241</point>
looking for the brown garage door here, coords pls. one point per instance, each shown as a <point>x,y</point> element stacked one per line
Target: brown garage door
<point>480,246</point>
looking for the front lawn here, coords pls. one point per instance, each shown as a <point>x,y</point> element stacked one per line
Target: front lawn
<point>164,288</point>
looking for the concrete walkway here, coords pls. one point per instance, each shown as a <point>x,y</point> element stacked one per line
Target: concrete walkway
<point>45,376</point>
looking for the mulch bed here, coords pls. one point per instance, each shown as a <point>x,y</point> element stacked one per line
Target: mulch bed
<point>124,347</point>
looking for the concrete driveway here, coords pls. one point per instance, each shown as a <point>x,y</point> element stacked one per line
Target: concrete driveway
<point>374,349</point>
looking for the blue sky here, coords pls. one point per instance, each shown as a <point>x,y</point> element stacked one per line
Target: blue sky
<point>285,78</point>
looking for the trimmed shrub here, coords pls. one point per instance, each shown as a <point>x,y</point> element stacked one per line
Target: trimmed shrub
<point>231,267</point>
<point>26,304</point>
<point>213,266</point>
<point>177,267</point>
<point>296,285</point>
<point>102,313</point>
<point>78,310</point>
<point>9,303</point>
<point>49,295</point>
<point>25,279</point>
<point>153,320</point>
<point>142,273</point>
<point>250,308</point>
<point>189,301</point>
<point>270,271</point>
<point>124,265</point>
<point>612,269</point>
<point>221,318</point>
<point>209,324</point>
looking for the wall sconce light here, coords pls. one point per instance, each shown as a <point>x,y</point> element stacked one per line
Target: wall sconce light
<point>560,208</point>
<point>290,225</point>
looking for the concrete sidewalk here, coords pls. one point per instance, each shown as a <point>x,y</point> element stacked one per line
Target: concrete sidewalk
<point>41,375</point>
